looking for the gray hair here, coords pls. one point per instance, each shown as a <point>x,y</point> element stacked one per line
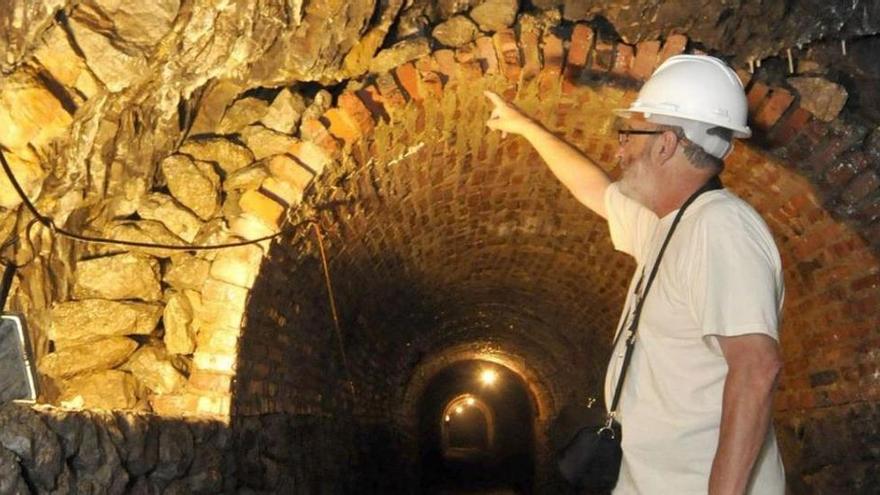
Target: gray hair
<point>696,155</point>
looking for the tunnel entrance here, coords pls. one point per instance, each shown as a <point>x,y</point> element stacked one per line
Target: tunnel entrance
<point>476,431</point>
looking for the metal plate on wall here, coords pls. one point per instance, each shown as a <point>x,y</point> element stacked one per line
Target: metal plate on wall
<point>17,378</point>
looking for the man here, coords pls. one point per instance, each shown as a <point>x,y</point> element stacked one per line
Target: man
<point>696,404</point>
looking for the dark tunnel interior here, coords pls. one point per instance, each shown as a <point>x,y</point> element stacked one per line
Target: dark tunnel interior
<point>386,247</point>
<point>463,447</point>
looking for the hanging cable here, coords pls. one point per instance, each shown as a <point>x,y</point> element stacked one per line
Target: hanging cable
<point>50,224</point>
<point>333,312</point>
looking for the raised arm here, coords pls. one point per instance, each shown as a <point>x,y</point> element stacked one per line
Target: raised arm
<point>586,180</point>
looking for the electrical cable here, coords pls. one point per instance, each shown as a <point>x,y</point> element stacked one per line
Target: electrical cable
<point>50,224</point>
<point>333,311</point>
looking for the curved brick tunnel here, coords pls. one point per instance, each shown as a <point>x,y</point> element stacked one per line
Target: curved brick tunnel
<point>440,233</point>
<point>449,245</point>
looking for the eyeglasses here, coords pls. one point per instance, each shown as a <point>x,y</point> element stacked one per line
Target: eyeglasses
<point>623,134</point>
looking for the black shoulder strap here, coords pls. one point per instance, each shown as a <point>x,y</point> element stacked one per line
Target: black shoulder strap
<point>712,184</point>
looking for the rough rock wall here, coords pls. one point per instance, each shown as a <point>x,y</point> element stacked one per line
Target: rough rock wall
<point>167,144</point>
<point>47,450</point>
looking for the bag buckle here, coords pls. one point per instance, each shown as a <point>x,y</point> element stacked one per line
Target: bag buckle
<point>608,427</point>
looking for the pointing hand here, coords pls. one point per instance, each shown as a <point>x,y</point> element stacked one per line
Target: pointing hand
<point>506,117</point>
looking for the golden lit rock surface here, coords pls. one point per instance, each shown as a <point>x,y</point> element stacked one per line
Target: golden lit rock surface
<point>65,65</point>
<point>246,178</point>
<point>144,231</point>
<point>162,208</point>
<point>123,276</point>
<point>30,115</point>
<point>186,272</point>
<point>400,53</point>
<point>238,266</point>
<point>77,322</point>
<point>151,367</point>
<point>285,111</point>
<point>456,31</point>
<point>29,175</point>
<point>194,184</point>
<point>141,24</point>
<point>819,96</point>
<point>225,153</point>
<point>177,319</point>
<point>115,68</point>
<point>97,355</point>
<point>242,113</point>
<point>110,389</point>
<point>495,15</point>
<point>264,142</point>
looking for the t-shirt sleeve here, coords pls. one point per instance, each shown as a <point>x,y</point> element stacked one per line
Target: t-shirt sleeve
<point>735,277</point>
<point>629,222</point>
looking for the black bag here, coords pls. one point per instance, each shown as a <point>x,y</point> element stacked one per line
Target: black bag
<point>592,458</point>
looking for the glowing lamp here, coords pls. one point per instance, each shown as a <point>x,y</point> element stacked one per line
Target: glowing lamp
<point>488,377</point>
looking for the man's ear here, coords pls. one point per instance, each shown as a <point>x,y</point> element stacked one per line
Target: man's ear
<point>664,146</point>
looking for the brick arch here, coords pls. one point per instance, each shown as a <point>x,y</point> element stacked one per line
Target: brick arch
<point>539,388</point>
<point>398,121</point>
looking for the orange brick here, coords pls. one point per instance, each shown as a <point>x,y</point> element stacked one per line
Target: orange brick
<point>485,54</point>
<point>466,53</point>
<point>554,54</point>
<point>315,131</point>
<point>262,207</point>
<point>446,62</point>
<point>770,112</point>
<point>646,59</point>
<point>217,340</point>
<point>578,53</point>
<point>393,97</point>
<point>238,266</point>
<point>432,83</point>
<point>623,60</point>
<point>341,125</point>
<point>675,44</point>
<point>756,95</point>
<point>789,127</point>
<point>212,382</point>
<point>282,190</point>
<point>373,101</point>
<point>408,79</point>
<point>174,405</point>
<point>357,111</point>
<point>427,64</point>
<point>311,156</point>
<point>220,362</point>
<point>508,54</point>
<point>581,44</point>
<point>290,170</point>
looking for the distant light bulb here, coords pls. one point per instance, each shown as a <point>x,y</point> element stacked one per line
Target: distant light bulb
<point>470,401</point>
<point>447,418</point>
<point>459,410</point>
<point>488,377</point>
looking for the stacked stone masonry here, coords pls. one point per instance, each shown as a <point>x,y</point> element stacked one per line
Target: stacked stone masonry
<point>208,334</point>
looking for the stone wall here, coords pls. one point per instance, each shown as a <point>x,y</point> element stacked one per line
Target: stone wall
<point>46,450</point>
<point>438,232</point>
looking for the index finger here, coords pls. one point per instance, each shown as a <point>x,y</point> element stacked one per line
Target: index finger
<point>494,98</point>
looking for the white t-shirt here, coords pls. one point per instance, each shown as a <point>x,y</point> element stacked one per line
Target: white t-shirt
<point>720,275</point>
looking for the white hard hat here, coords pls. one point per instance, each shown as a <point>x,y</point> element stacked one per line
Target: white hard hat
<point>696,93</point>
